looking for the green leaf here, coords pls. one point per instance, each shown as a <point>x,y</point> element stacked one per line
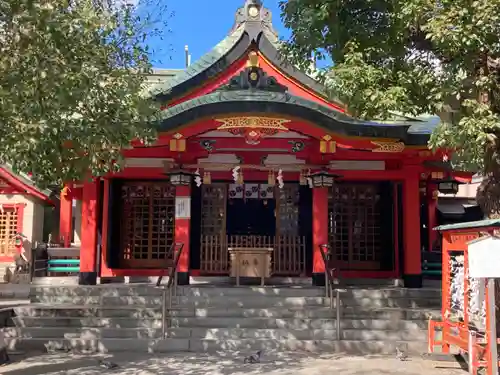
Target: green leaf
<point>71,92</point>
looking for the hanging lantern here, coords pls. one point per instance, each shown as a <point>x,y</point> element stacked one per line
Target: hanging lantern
<point>180,177</point>
<point>323,179</point>
<point>448,186</point>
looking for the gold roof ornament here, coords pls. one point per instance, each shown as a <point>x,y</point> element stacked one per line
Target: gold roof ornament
<point>253,60</point>
<point>388,146</point>
<point>252,122</point>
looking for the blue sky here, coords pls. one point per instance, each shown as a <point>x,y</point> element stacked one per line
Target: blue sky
<point>201,24</point>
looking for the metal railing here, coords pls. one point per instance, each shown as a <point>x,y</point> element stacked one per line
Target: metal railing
<point>50,259</point>
<point>432,264</point>
<point>332,282</point>
<point>169,290</point>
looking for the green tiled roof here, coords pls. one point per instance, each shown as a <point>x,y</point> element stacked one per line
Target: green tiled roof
<point>247,34</point>
<point>273,102</point>
<point>247,95</point>
<point>205,62</point>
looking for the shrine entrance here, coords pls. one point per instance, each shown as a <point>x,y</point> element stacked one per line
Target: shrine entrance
<point>360,226</point>
<point>147,223</point>
<point>255,215</point>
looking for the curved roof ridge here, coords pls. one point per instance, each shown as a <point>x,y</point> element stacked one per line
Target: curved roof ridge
<point>205,62</point>
<point>262,101</point>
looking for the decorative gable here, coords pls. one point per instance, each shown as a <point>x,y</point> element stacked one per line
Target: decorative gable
<point>6,188</point>
<point>253,77</point>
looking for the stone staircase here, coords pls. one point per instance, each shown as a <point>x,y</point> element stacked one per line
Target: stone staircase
<point>207,318</point>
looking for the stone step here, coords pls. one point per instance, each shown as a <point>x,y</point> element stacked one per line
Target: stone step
<point>82,311</point>
<point>352,347</point>
<point>293,323</point>
<point>213,333</point>
<point>105,290</point>
<point>213,291</point>
<point>391,313</point>
<point>238,301</point>
<point>229,291</point>
<point>75,311</point>
<point>201,322</point>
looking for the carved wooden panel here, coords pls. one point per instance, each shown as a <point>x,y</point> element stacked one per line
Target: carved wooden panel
<point>148,223</point>
<point>8,230</point>
<point>287,210</point>
<point>354,225</point>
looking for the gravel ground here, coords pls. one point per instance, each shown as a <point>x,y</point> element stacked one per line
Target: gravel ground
<point>229,363</point>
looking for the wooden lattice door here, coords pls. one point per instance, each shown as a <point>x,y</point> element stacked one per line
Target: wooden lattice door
<point>289,256</point>
<point>148,224</point>
<point>213,248</point>
<point>8,230</point>
<point>354,226</point>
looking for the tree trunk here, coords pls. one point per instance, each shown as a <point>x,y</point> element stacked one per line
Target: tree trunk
<point>488,198</point>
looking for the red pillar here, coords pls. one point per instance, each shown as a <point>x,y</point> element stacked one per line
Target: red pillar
<point>432,215</point>
<point>88,249</point>
<point>412,257</point>
<point>182,226</point>
<point>320,232</point>
<point>66,216</point>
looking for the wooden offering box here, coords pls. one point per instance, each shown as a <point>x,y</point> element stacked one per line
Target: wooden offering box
<point>250,262</point>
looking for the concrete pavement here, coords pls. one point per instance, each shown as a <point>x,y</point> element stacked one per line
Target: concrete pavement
<point>228,363</point>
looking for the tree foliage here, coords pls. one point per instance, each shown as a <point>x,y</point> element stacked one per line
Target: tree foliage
<point>72,75</point>
<point>416,57</point>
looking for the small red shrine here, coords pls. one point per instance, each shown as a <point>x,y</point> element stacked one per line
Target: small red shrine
<point>21,214</point>
<point>274,164</point>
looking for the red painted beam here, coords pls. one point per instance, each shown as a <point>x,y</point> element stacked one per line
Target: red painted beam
<point>66,215</point>
<point>104,270</point>
<point>363,175</point>
<point>221,143</point>
<point>320,227</point>
<point>412,265</point>
<point>90,214</point>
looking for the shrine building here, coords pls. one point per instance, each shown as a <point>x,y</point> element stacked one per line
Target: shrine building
<point>252,153</point>
<point>22,211</point>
